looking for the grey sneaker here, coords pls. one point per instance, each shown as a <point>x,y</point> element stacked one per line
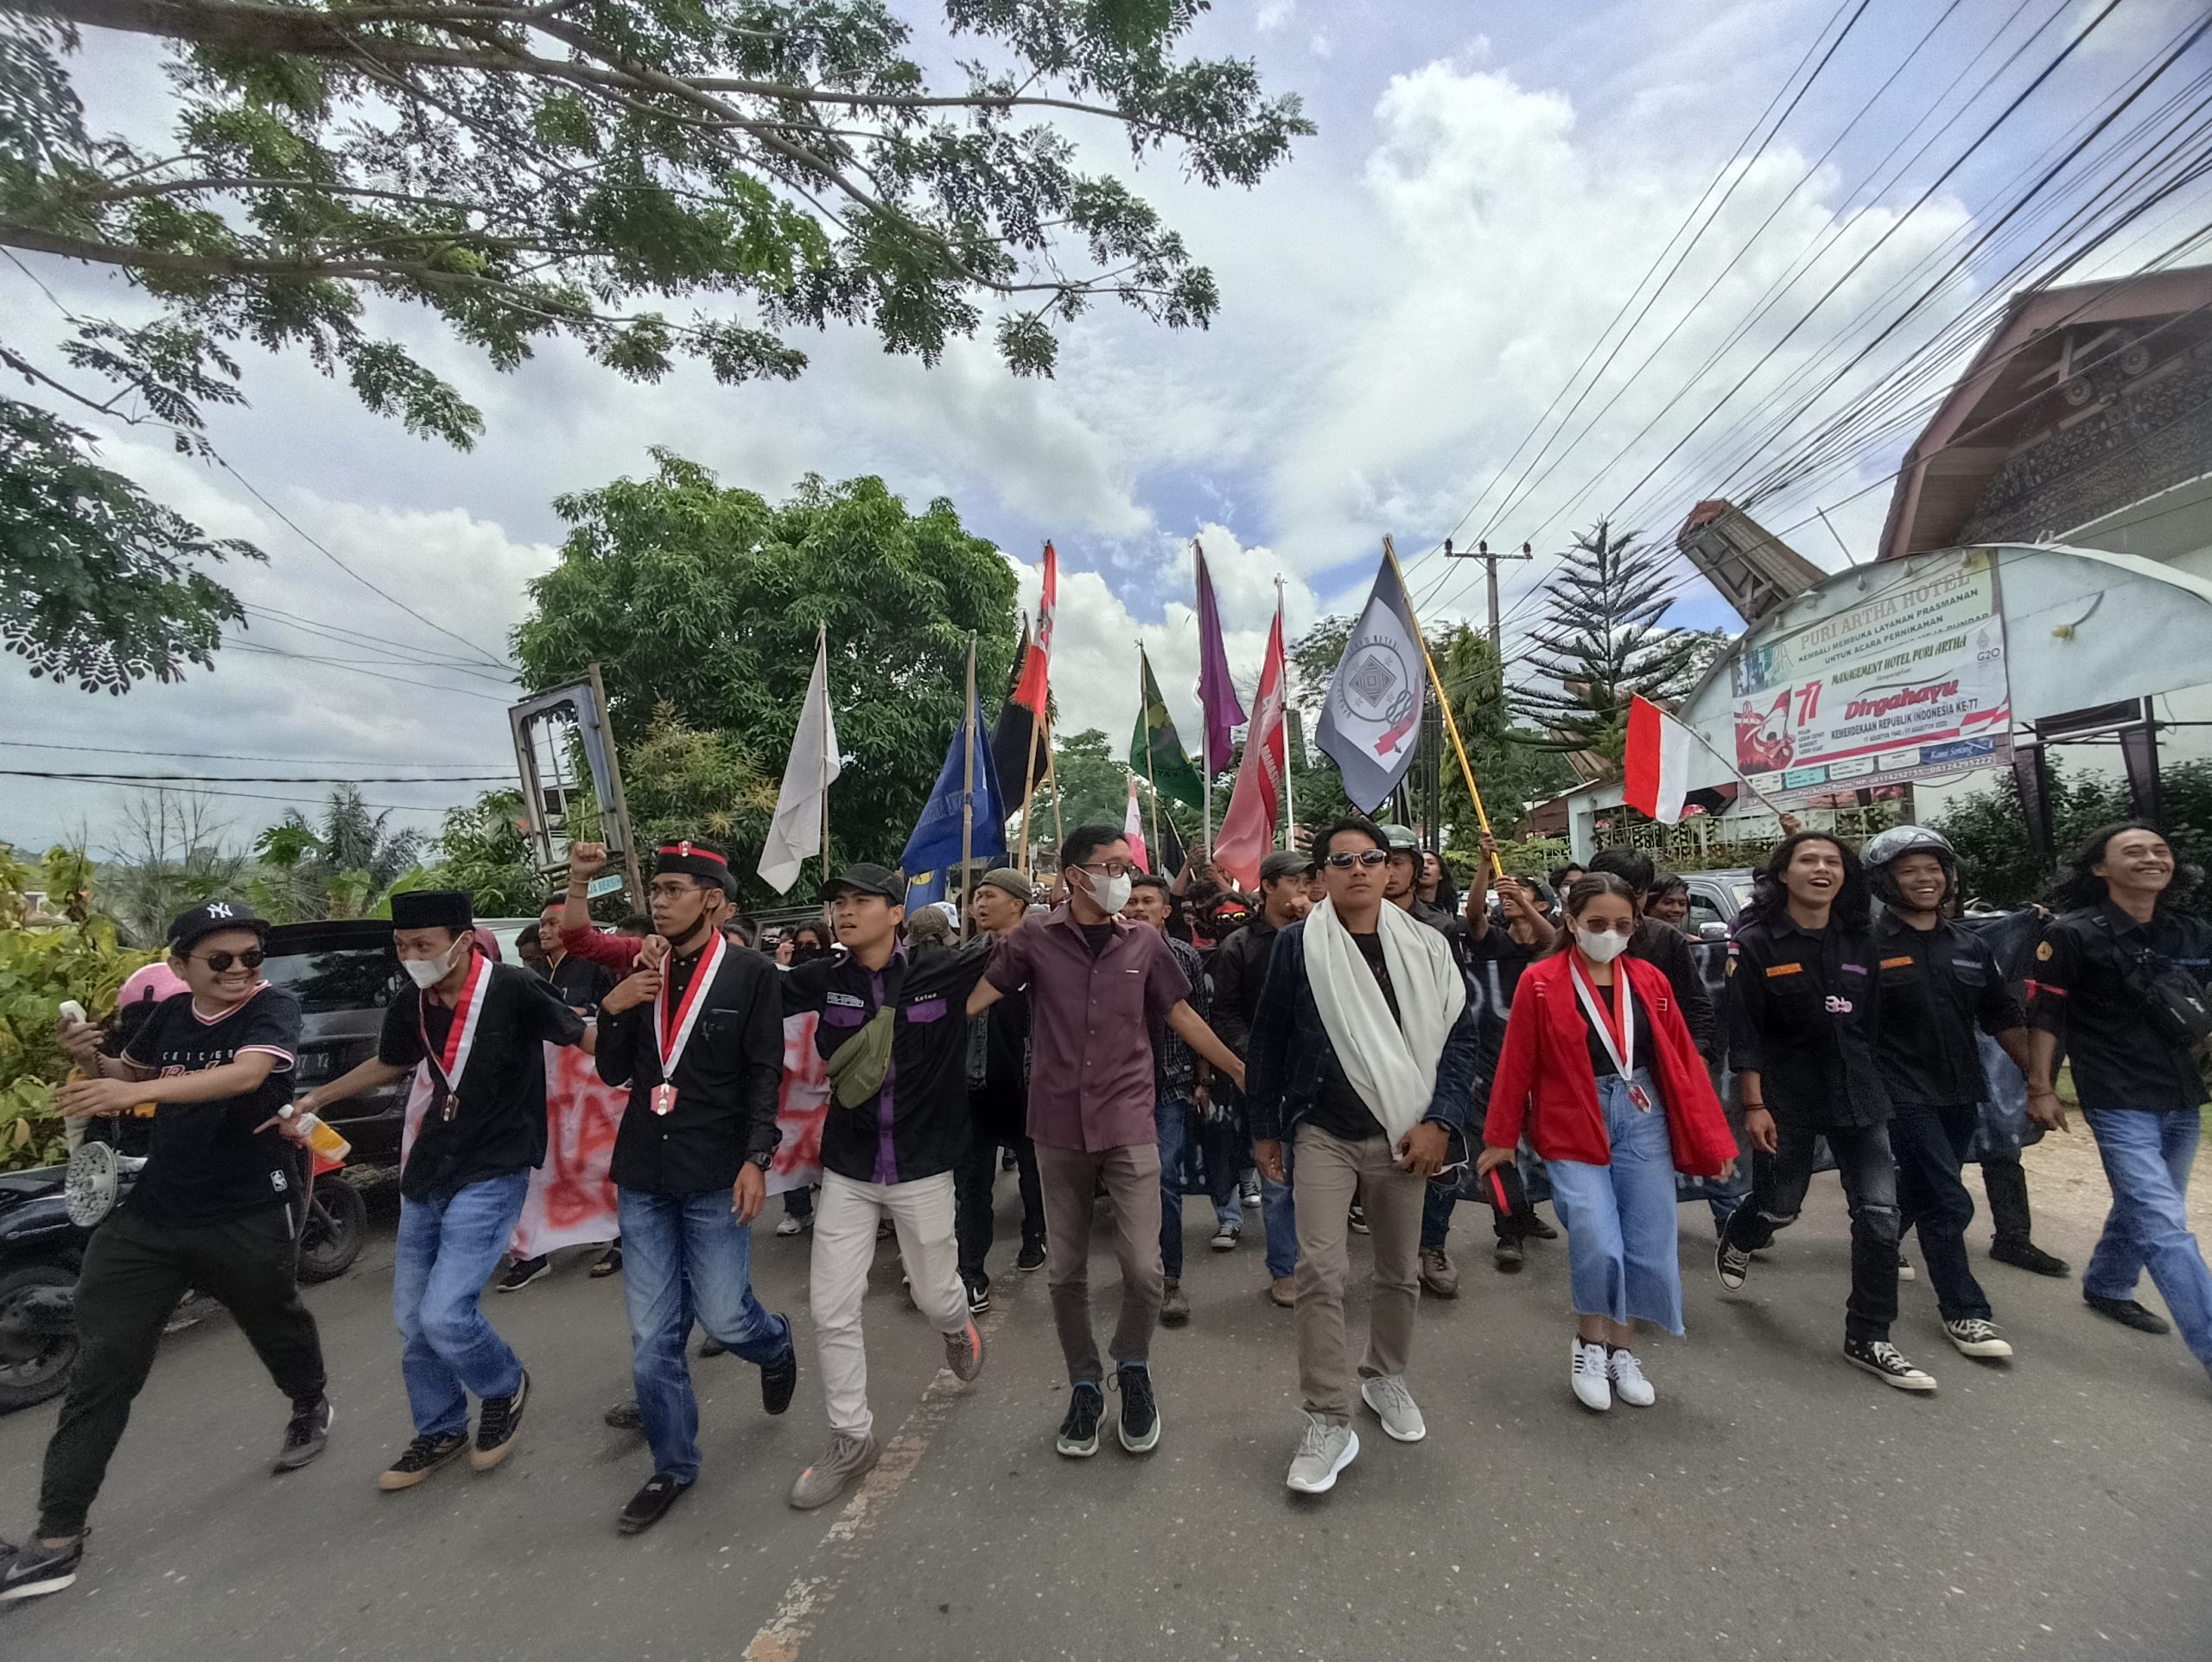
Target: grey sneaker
<point>1174,1303</point>
<point>1394,1406</point>
<point>848,1458</point>
<point>1325,1450</point>
<point>964,1353</point>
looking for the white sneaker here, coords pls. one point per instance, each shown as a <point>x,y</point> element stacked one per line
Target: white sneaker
<point>1394,1405</point>
<point>1586,1373</point>
<point>790,1226</point>
<point>1629,1384</point>
<point>1324,1451</point>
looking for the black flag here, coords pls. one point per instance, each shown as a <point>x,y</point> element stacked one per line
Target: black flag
<point>1011,739</point>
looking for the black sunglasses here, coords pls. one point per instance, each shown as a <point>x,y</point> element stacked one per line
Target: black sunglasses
<point>252,958</point>
<point>1347,860</point>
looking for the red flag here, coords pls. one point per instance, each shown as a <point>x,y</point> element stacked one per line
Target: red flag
<point>1250,830</point>
<point>1036,668</point>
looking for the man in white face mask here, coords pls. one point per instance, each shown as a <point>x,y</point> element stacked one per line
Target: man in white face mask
<point>475,1032</point>
<point>1095,981</point>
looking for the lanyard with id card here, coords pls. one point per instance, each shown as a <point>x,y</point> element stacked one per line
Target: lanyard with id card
<point>672,1030</point>
<point>1616,1029</point>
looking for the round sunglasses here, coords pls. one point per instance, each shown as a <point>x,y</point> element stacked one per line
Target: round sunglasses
<point>252,958</point>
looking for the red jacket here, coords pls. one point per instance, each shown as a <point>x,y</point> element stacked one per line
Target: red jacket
<point>1545,1061</point>
<point>615,952</point>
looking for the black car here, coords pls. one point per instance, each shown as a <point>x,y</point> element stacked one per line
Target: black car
<point>345,974</point>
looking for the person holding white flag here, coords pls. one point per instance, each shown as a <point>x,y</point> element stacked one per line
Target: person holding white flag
<point>801,826</point>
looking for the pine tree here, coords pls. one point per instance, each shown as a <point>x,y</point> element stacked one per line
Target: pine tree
<point>1601,644</point>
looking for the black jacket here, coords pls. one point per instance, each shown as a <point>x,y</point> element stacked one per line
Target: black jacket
<point>727,1081</point>
<point>1669,948</point>
<point>1239,968</point>
<point>1803,1008</point>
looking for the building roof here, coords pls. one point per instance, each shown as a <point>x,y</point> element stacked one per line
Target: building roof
<point>2012,392</point>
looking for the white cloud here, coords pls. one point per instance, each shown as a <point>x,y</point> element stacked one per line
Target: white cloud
<point>1273,14</point>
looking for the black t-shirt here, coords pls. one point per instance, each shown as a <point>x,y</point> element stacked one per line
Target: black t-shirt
<point>206,1162</point>
<point>2090,975</point>
<point>1639,1028</point>
<point>1338,1108</point>
<point>498,1126</point>
<point>1095,935</point>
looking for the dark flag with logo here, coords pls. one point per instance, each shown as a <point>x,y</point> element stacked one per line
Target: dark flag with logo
<point>1371,717</point>
<point>1017,751</point>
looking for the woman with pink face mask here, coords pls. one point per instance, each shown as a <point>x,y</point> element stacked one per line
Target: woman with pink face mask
<point>1601,1070</point>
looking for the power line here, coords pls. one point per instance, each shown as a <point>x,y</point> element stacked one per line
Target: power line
<point>254,796</point>
<point>358,669</point>
<point>105,778</point>
<point>222,755</point>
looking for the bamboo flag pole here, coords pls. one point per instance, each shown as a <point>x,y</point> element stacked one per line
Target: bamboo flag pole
<point>968,784</point>
<point>1451,723</point>
<point>1029,774</point>
<point>822,645</point>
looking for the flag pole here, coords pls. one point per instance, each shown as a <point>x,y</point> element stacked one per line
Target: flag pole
<point>1443,703</point>
<point>822,647</point>
<point>1289,818</point>
<point>968,781</point>
<point>1029,774</point>
<point>1205,719</point>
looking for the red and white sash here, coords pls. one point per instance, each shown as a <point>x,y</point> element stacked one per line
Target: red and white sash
<point>442,1066</point>
<point>672,1030</point>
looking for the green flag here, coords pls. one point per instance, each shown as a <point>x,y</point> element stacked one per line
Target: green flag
<point>1155,751</point>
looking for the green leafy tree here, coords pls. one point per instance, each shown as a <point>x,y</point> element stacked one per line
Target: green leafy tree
<point>1601,643</point>
<point>170,855</point>
<point>480,848</point>
<point>529,172</point>
<point>341,866</point>
<point>1990,832</point>
<point>1094,785</point>
<point>700,604</point>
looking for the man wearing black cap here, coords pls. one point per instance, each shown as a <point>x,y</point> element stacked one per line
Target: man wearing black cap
<point>476,1031</point>
<point>891,1029</point>
<point>218,1208</point>
<point>700,1042</point>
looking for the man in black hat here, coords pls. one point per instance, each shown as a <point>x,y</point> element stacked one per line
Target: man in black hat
<point>892,1030</point>
<point>475,1032</point>
<point>218,1208</point>
<point>699,1040</point>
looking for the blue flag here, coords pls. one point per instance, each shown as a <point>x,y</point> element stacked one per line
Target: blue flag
<point>934,849</point>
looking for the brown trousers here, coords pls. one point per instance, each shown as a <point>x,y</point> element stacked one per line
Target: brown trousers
<point>1329,1175</point>
<point>1070,1179</point>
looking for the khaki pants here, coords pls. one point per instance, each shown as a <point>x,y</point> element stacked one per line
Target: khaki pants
<point>1329,1174</point>
<point>845,1216</point>
<point>1069,1178</point>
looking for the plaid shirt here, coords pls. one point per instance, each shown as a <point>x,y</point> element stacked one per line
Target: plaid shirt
<point>1174,1064</point>
<point>1289,1046</point>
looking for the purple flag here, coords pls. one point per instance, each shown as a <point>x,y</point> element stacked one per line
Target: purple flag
<point>1217,693</point>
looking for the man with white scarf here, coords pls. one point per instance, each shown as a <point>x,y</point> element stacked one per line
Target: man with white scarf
<point>1363,1055</point>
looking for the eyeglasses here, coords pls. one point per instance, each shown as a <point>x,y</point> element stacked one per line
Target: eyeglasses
<point>251,957</point>
<point>1109,868</point>
<point>1347,860</point>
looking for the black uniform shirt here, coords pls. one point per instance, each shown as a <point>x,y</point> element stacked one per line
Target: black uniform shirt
<point>1937,985</point>
<point>498,1127</point>
<point>2087,988</point>
<point>727,1080</point>
<point>206,1163</point>
<point>581,982</point>
<point>1803,1008</point>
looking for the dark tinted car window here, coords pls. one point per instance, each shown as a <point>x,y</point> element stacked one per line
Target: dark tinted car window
<point>356,979</point>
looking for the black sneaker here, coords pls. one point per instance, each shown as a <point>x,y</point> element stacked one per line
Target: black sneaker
<point>711,1346</point>
<point>650,1504</point>
<point>1079,1430</point>
<point>1732,1264</point>
<point>306,1434</point>
<point>1033,1256</point>
<point>979,1295</point>
<point>1881,1359</point>
<point>779,1379</point>
<point>2129,1313</point>
<point>610,1264</point>
<point>421,1457</point>
<point>1534,1227</point>
<point>1357,1219</point>
<point>33,1570</point>
<point>1508,1254</point>
<point>497,1422</point>
<point>2026,1255</point>
<point>521,1272</point>
<point>1139,1413</point>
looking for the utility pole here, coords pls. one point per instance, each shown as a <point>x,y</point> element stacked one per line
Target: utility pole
<point>1490,567</point>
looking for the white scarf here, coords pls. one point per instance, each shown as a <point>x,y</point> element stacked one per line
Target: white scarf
<point>1392,1065</point>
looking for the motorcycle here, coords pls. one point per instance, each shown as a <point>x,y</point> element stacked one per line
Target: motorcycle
<point>47,1216</point>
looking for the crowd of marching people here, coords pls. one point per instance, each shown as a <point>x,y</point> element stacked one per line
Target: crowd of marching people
<point>1352,1049</point>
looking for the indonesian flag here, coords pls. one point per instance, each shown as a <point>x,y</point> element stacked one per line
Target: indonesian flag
<point>1248,831</point>
<point>1036,666</point>
<point>1655,775</point>
<point>1133,830</point>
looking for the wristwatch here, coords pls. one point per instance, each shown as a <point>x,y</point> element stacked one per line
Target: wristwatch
<point>763,1161</point>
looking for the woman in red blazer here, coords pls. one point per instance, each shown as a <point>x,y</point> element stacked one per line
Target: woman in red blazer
<point>1599,1068</point>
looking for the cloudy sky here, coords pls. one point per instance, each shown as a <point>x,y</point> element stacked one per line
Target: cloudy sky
<point>1401,305</point>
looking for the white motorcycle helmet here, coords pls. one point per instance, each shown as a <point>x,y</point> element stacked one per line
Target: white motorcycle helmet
<point>1886,846</point>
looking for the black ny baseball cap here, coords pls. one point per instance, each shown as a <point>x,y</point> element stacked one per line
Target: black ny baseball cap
<point>210,916</point>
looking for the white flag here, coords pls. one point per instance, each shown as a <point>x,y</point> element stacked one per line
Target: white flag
<point>801,827</point>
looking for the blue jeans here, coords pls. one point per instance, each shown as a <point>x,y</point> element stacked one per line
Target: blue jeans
<point>1279,1213</point>
<point>1436,1215</point>
<point>2146,1156</point>
<point>447,1250</point>
<point>685,1257</point>
<point>1624,1262</point>
<point>1173,1117</point>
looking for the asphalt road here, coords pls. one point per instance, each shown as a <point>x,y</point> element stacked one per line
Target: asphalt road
<point>1775,1504</point>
